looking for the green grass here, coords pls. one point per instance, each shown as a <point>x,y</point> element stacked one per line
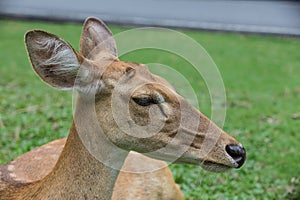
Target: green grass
<point>261,76</point>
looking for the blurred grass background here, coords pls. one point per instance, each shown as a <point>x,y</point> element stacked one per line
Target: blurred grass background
<point>262,80</point>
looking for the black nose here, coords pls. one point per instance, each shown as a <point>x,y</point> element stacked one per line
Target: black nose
<point>238,153</point>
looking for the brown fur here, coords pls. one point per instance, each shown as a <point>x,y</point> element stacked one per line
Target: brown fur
<point>159,184</point>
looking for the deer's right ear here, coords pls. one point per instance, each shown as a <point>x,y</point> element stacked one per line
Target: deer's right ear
<point>96,37</point>
<point>53,59</point>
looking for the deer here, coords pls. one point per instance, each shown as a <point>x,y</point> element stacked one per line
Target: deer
<point>102,141</point>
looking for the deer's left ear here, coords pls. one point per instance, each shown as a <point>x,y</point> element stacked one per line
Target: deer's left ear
<point>53,59</point>
<point>96,37</point>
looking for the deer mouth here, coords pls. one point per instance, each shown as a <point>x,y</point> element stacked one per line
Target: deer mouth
<point>208,165</point>
<point>236,158</point>
<point>214,167</point>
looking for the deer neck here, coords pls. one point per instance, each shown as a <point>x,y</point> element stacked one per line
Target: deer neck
<point>80,172</point>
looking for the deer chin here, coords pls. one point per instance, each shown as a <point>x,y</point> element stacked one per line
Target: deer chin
<point>207,165</point>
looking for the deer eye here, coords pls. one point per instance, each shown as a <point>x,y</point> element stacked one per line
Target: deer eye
<point>144,100</point>
<point>147,100</point>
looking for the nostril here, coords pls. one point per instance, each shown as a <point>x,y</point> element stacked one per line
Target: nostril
<point>237,152</point>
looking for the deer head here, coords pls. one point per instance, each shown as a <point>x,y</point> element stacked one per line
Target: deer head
<point>136,110</point>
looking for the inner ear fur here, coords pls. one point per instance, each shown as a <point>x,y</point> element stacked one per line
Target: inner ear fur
<point>53,59</point>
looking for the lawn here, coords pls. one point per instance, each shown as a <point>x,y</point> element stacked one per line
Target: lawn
<point>262,80</point>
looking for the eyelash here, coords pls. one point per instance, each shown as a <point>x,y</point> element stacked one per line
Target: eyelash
<point>144,101</point>
<point>148,100</point>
